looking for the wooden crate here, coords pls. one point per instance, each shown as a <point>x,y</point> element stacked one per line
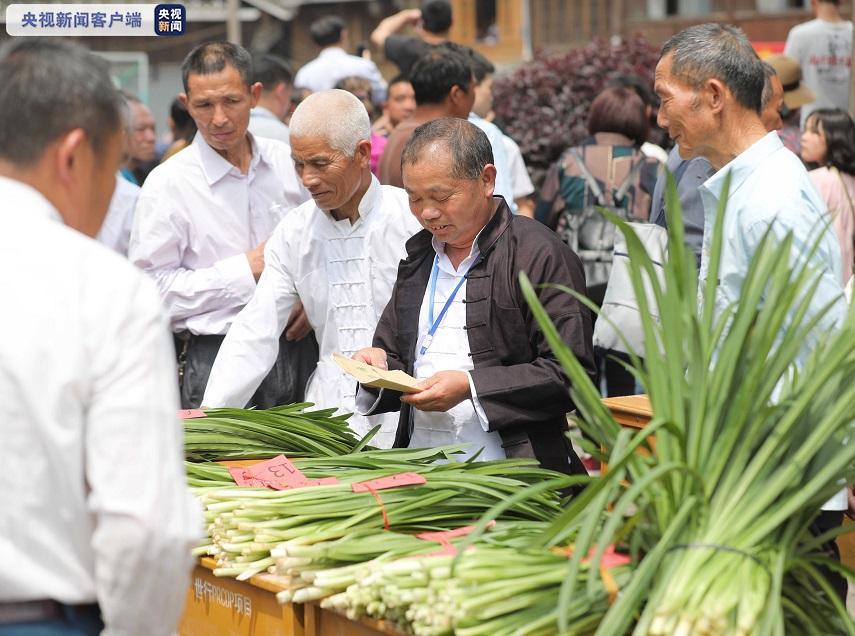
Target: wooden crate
<point>223,606</point>
<point>219,606</point>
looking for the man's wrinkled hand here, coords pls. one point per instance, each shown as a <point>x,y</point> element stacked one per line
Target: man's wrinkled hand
<point>440,392</point>
<point>298,326</point>
<point>373,356</point>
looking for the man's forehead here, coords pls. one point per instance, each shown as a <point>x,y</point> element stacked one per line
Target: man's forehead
<point>663,69</point>
<point>227,80</point>
<point>311,145</point>
<point>141,112</point>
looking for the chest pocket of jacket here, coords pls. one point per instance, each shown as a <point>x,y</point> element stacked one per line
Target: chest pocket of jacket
<point>509,335</point>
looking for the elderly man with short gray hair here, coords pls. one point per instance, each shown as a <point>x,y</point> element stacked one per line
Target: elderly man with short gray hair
<point>338,254</point>
<point>458,321</point>
<point>710,82</point>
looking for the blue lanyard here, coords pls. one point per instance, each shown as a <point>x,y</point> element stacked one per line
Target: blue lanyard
<point>434,324</point>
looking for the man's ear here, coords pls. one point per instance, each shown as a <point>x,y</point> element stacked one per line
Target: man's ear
<point>456,94</point>
<point>182,97</point>
<point>69,149</point>
<point>283,90</point>
<point>362,153</point>
<point>715,94</point>
<point>255,93</point>
<point>488,179</point>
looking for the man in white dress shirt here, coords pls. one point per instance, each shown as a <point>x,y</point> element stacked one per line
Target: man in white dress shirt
<point>276,79</point>
<point>711,83</point>
<point>338,253</point>
<point>457,319</point>
<point>96,522</point>
<point>334,63</point>
<point>115,232</point>
<point>202,220</point>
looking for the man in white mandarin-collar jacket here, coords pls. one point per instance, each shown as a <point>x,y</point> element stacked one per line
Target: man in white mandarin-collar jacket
<point>338,254</point>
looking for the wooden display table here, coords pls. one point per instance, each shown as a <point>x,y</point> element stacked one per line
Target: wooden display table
<point>632,411</point>
<point>223,606</point>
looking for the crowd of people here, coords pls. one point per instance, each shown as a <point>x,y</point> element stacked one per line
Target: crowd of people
<point>385,221</point>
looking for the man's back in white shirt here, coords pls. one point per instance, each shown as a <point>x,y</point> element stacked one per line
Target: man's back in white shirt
<point>115,233</point>
<point>332,65</point>
<point>93,502</point>
<point>824,51</point>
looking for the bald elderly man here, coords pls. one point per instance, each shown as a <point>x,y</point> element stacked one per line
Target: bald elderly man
<point>337,253</point>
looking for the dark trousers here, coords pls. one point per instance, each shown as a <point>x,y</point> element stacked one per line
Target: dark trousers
<point>79,620</point>
<point>618,381</point>
<point>285,384</point>
<point>828,520</point>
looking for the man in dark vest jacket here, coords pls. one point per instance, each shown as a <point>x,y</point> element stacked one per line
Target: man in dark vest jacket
<point>457,319</point>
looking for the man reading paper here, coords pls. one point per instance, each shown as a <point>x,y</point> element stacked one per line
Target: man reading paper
<point>457,319</point>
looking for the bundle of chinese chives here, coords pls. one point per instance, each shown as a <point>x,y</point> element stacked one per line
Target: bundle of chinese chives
<point>252,434</point>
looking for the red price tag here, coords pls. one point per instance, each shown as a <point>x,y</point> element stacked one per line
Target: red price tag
<point>191,414</point>
<point>243,477</point>
<point>279,473</point>
<point>445,535</point>
<point>612,559</point>
<point>393,481</point>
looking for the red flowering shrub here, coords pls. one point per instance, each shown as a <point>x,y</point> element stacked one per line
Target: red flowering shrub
<point>544,104</point>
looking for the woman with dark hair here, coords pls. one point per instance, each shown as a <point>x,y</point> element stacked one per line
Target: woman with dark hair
<point>182,126</point>
<point>618,127</point>
<point>828,141</point>
<point>608,169</point>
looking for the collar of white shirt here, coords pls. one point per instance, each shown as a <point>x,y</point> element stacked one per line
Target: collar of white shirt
<point>332,50</point>
<point>261,111</point>
<point>20,196</point>
<point>370,200</point>
<point>215,166</point>
<point>743,165</point>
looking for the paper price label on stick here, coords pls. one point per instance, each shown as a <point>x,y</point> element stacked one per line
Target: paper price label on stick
<point>244,477</point>
<point>392,481</point>
<point>279,473</point>
<point>191,414</point>
<point>443,536</point>
<point>377,378</point>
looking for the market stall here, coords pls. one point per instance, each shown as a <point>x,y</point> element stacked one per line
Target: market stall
<point>218,606</point>
<point>224,606</point>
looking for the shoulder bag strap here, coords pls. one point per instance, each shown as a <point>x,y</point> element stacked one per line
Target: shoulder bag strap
<point>589,178</point>
<point>630,178</point>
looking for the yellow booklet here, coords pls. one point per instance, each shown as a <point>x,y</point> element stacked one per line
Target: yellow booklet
<point>377,378</point>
